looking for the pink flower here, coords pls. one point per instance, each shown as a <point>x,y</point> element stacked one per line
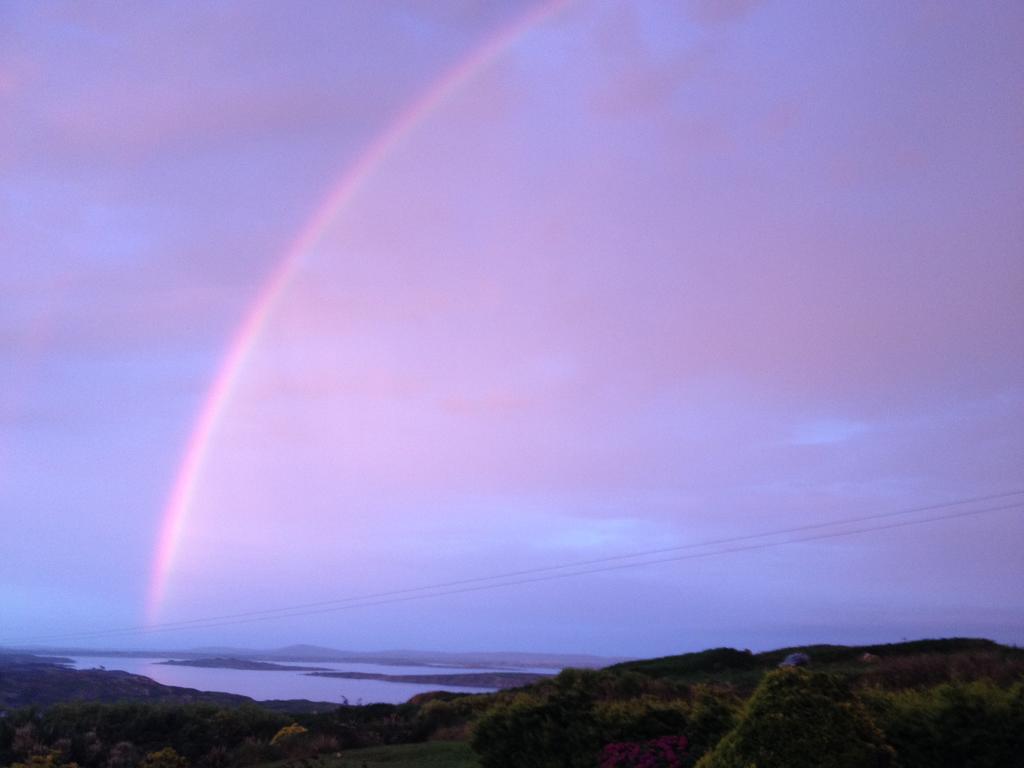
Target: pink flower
<point>664,752</point>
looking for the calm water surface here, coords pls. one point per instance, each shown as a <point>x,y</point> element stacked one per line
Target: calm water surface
<point>263,685</point>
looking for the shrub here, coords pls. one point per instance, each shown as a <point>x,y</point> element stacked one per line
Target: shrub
<point>288,734</point>
<point>713,713</point>
<point>639,719</point>
<point>800,719</point>
<point>48,760</point>
<point>434,716</point>
<point>217,757</point>
<point>164,758</point>
<point>252,751</point>
<point>965,725</point>
<point>123,755</point>
<point>544,733</point>
<point>569,727</point>
<point>293,741</point>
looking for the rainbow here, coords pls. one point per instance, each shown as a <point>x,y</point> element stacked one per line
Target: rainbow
<point>175,512</point>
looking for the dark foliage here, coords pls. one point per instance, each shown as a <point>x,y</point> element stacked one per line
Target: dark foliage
<point>799,719</point>
<point>954,725</point>
<point>567,723</point>
<point>95,733</point>
<point>712,661</point>
<point>935,703</point>
<point>895,665</point>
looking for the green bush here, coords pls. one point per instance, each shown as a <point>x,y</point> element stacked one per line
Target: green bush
<point>639,719</point>
<point>800,719</point>
<point>567,723</point>
<point>539,733</point>
<point>713,714</point>
<point>434,716</point>
<point>957,725</point>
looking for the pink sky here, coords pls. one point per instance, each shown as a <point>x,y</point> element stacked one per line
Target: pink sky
<point>653,276</point>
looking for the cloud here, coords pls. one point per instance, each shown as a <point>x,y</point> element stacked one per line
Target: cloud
<point>647,85</point>
<point>827,431</point>
<point>721,11</point>
<point>639,75</point>
<point>8,82</point>
<point>640,281</point>
<point>174,82</point>
<point>617,535</point>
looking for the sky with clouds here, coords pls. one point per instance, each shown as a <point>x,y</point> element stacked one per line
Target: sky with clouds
<point>656,274</point>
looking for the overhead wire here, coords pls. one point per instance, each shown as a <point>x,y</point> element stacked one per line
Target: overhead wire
<point>572,569</point>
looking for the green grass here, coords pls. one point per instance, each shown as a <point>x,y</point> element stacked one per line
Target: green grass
<point>431,754</point>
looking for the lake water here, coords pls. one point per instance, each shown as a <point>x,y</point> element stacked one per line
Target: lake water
<point>262,685</point>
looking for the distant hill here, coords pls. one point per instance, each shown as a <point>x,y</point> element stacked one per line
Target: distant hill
<point>35,681</point>
<point>499,680</point>
<point>27,679</point>
<point>939,659</point>
<point>11,658</point>
<point>512,659</point>
<point>221,662</point>
<point>316,653</point>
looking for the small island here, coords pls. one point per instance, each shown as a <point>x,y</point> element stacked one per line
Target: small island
<point>499,680</point>
<point>232,663</point>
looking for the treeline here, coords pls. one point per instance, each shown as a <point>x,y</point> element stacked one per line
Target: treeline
<point>948,707</point>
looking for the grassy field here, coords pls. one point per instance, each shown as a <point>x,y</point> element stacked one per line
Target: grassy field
<point>431,754</point>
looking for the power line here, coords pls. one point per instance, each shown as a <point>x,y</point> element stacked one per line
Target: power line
<point>543,569</point>
<point>621,566</point>
<point>415,593</point>
<point>286,611</point>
